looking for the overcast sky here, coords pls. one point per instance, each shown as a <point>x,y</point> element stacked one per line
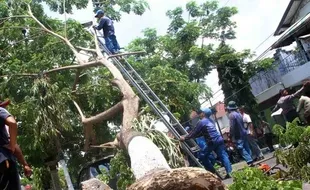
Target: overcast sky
<point>256,21</point>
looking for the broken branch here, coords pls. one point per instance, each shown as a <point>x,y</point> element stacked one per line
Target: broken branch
<point>104,115</point>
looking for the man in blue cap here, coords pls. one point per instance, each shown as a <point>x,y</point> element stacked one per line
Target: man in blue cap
<point>106,24</point>
<point>206,128</point>
<point>238,133</point>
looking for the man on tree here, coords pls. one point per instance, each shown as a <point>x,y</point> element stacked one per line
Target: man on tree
<point>106,24</point>
<point>206,128</point>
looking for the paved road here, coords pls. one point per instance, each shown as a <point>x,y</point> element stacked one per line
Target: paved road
<point>268,160</point>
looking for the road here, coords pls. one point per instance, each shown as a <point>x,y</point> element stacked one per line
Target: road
<point>269,159</point>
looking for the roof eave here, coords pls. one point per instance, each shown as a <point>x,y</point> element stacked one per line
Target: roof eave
<point>277,32</point>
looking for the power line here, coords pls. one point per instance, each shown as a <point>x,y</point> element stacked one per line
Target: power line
<point>226,3</point>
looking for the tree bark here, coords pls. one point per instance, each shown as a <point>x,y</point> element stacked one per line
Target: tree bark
<point>181,179</point>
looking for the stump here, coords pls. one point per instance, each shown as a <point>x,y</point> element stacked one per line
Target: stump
<point>180,179</point>
<point>94,184</point>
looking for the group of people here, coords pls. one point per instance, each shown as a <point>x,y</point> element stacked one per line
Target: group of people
<point>210,141</point>
<point>10,151</point>
<point>286,103</point>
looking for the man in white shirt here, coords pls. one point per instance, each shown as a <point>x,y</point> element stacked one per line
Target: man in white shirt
<point>304,104</point>
<point>256,152</point>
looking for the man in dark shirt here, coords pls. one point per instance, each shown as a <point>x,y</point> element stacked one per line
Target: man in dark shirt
<point>206,128</point>
<point>8,165</point>
<point>106,24</point>
<point>238,133</point>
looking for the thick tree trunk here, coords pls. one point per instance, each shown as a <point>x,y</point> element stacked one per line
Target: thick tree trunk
<point>181,179</point>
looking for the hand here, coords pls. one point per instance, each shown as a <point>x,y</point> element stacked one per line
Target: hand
<point>182,138</point>
<point>94,27</point>
<point>27,171</point>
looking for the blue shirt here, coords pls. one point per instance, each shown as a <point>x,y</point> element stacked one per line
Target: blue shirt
<point>106,24</point>
<point>206,128</point>
<point>237,130</point>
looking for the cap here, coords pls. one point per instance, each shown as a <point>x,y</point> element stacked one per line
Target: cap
<point>207,111</point>
<point>232,105</point>
<point>99,12</point>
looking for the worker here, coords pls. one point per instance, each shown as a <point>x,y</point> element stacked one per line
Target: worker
<point>206,128</point>
<point>238,133</point>
<point>106,24</point>
<point>286,103</point>
<point>248,125</point>
<point>304,104</point>
<point>8,166</point>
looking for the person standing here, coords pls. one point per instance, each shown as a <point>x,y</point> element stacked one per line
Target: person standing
<point>304,104</point>
<point>248,125</point>
<point>8,166</point>
<point>106,24</point>
<point>238,133</point>
<point>268,134</point>
<point>286,103</point>
<point>206,128</point>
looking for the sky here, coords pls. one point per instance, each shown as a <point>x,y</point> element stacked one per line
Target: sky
<point>256,21</point>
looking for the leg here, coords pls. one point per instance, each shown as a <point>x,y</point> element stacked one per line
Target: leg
<point>269,141</point>
<point>109,44</point>
<point>222,154</point>
<point>291,115</point>
<point>254,147</point>
<point>244,150</point>
<point>115,43</point>
<point>207,163</point>
<point>9,176</point>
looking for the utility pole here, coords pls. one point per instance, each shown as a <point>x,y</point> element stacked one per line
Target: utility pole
<point>218,125</point>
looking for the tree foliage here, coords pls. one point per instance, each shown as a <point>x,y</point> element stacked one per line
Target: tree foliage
<point>296,158</point>
<point>253,178</point>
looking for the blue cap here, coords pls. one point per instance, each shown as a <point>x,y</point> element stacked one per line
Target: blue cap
<point>207,111</point>
<point>99,12</point>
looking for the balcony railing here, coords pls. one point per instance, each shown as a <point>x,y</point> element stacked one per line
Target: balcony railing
<point>287,62</point>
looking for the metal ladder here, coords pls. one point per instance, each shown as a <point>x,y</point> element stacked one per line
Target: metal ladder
<point>189,146</point>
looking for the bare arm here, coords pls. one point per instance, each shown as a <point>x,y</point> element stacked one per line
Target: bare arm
<point>11,123</point>
<point>19,155</point>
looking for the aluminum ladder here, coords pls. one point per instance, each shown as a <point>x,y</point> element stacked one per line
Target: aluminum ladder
<point>129,73</point>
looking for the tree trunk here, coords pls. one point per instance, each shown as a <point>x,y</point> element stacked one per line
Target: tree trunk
<point>181,179</point>
<point>55,182</point>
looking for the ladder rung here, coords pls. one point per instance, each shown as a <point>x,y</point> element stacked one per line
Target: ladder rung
<point>130,72</point>
<point>175,124</point>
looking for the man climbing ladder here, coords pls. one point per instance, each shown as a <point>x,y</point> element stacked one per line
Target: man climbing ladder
<point>106,24</point>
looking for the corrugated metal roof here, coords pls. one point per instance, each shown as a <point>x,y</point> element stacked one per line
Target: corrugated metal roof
<point>288,16</point>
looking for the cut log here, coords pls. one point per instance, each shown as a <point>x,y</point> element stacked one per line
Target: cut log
<point>93,184</point>
<point>181,179</point>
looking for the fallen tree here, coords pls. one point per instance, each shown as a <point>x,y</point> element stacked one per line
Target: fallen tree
<point>148,164</point>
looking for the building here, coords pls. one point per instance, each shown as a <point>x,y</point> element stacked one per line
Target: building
<point>290,68</point>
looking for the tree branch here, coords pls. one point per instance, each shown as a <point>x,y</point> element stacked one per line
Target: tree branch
<point>77,76</point>
<point>85,65</point>
<point>20,75</point>
<point>128,53</point>
<point>76,53</point>
<point>86,49</point>
<point>15,16</point>
<point>79,110</point>
<point>104,115</point>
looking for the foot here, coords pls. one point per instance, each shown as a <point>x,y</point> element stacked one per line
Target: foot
<point>228,176</point>
<point>251,164</point>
